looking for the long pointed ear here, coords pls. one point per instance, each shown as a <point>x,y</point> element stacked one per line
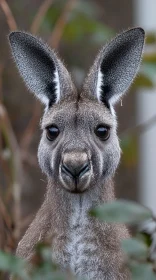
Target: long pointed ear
<point>43,73</point>
<point>115,67</point>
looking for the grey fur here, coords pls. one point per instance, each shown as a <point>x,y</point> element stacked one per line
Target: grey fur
<point>119,61</point>
<point>37,64</point>
<point>88,247</point>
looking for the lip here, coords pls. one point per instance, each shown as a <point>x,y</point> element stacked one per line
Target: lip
<point>77,185</point>
<point>77,191</point>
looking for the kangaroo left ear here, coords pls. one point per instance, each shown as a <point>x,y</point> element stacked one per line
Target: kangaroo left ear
<point>116,66</point>
<point>43,72</point>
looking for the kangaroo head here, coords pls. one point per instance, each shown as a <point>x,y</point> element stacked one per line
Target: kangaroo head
<point>79,147</point>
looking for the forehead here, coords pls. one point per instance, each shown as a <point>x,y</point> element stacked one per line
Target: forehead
<point>81,112</point>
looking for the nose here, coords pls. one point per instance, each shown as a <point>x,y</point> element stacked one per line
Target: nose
<point>75,164</point>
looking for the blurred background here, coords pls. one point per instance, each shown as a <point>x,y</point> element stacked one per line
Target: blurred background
<point>76,29</point>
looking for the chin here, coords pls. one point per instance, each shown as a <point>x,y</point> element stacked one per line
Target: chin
<point>76,187</point>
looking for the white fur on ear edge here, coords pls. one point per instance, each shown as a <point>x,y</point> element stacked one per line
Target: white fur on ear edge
<point>99,92</point>
<point>44,99</point>
<point>99,85</point>
<point>57,81</point>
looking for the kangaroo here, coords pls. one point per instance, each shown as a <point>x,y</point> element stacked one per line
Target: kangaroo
<point>79,152</point>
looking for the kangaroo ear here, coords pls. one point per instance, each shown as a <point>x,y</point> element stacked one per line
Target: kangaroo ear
<point>116,66</point>
<point>42,71</point>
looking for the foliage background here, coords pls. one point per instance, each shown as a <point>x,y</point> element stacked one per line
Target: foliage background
<point>77,29</point>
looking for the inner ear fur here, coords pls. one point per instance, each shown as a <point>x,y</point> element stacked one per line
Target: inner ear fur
<point>116,66</point>
<point>43,72</point>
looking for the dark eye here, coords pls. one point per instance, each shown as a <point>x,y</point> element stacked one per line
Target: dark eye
<point>103,132</point>
<point>52,132</point>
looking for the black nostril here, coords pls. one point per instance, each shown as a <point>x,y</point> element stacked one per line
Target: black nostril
<point>75,171</point>
<point>66,170</point>
<point>84,169</point>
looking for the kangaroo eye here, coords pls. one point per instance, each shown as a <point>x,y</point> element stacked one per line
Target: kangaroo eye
<point>103,132</point>
<point>52,132</point>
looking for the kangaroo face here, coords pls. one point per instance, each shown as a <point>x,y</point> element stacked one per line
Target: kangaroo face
<point>86,148</point>
<point>79,147</point>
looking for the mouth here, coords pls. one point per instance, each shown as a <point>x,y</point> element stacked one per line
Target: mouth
<point>77,191</point>
<point>78,184</point>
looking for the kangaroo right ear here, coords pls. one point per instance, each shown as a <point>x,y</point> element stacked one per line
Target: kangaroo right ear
<point>43,73</point>
<point>115,67</point>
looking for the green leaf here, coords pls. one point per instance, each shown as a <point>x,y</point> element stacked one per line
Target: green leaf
<point>149,65</point>
<point>129,147</point>
<point>145,238</point>
<point>142,271</point>
<point>81,26</point>
<point>121,211</point>
<point>52,16</point>
<point>143,81</point>
<point>46,273</point>
<point>90,9</point>
<point>150,38</point>
<point>135,248</point>
<point>150,58</point>
<point>81,22</point>
<point>14,265</point>
<point>149,70</point>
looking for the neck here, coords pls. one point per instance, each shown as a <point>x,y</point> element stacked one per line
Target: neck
<point>74,229</point>
<point>62,199</point>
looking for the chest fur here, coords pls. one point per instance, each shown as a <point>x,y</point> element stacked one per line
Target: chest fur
<point>81,247</point>
<point>86,251</point>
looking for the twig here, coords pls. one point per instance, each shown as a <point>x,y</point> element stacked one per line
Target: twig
<point>2,235</point>
<point>1,92</point>
<point>6,223</point>
<point>27,135</point>
<point>15,165</point>
<point>3,163</point>
<point>6,220</point>
<point>55,38</point>
<point>1,99</point>
<point>5,214</point>
<point>9,16</point>
<point>40,15</point>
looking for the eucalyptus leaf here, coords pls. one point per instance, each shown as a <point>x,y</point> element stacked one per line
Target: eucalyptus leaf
<point>143,81</point>
<point>150,58</point>
<point>142,271</point>
<point>150,38</point>
<point>149,70</point>
<point>14,265</point>
<point>135,248</point>
<point>48,274</point>
<point>90,9</point>
<point>130,150</point>
<point>145,238</point>
<point>81,25</point>
<point>121,211</point>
